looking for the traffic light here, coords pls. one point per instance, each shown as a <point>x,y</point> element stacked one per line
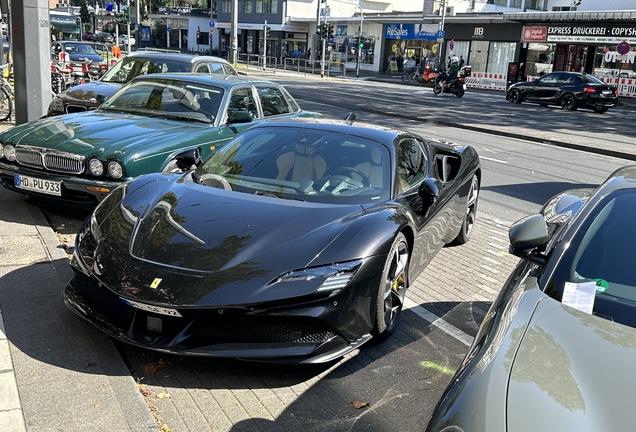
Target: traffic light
<point>127,14</point>
<point>330,31</point>
<point>325,31</point>
<point>266,29</point>
<point>319,29</point>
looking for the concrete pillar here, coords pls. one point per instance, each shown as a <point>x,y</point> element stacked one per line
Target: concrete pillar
<point>31,58</point>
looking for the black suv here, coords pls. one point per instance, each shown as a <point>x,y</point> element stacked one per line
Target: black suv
<point>88,96</point>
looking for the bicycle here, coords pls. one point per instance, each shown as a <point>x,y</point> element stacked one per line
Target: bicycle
<point>6,92</point>
<point>412,74</point>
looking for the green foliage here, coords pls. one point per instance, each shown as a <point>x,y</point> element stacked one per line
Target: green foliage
<point>85,16</point>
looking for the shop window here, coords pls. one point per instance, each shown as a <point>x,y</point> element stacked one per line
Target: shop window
<point>267,6</point>
<point>539,59</point>
<point>499,55</point>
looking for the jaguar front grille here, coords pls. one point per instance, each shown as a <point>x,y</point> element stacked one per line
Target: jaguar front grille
<point>50,160</point>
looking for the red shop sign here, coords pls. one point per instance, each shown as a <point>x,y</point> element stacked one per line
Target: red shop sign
<point>534,34</point>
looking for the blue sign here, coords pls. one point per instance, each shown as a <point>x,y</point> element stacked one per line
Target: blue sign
<point>411,31</point>
<point>212,24</point>
<point>623,48</point>
<point>169,29</point>
<point>440,34</point>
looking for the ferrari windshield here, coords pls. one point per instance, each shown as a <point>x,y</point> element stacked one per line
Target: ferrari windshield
<point>174,99</point>
<point>602,252</point>
<point>301,163</point>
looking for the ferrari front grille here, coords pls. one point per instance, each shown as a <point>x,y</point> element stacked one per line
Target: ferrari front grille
<point>50,160</point>
<point>255,330</point>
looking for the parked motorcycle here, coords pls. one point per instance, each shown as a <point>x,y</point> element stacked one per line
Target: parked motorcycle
<point>456,86</point>
<point>428,75</point>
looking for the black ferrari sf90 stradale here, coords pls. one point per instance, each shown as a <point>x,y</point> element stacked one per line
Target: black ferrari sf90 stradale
<point>295,242</point>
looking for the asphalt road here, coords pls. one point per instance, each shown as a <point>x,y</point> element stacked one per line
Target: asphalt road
<point>398,381</point>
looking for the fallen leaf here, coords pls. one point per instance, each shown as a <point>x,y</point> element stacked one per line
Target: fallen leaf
<point>163,395</point>
<point>96,405</point>
<point>32,372</point>
<point>153,368</point>
<point>358,404</point>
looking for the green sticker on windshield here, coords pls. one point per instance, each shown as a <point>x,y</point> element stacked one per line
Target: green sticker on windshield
<point>601,285</point>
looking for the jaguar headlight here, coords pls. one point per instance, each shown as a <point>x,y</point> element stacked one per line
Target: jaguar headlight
<point>335,276</point>
<point>56,105</point>
<point>95,167</point>
<point>9,152</point>
<point>115,170</point>
<point>1,151</point>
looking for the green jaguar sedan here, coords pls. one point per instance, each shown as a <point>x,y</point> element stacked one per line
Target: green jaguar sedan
<point>156,123</point>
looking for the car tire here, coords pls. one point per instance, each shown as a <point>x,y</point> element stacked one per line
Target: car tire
<point>568,102</point>
<point>514,96</point>
<point>392,289</point>
<point>600,110</point>
<point>471,213</point>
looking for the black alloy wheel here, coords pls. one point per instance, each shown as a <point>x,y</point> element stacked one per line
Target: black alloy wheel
<point>471,213</point>
<point>568,102</point>
<point>514,96</point>
<point>392,289</point>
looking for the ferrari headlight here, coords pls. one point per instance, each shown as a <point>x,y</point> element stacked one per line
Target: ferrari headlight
<point>95,231</point>
<point>95,167</point>
<point>336,276</point>
<point>9,152</point>
<point>115,170</point>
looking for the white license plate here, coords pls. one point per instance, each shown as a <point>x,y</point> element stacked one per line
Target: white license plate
<point>464,86</point>
<point>48,187</point>
<point>606,92</point>
<point>150,308</point>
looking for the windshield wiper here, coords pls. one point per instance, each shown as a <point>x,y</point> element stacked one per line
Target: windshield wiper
<point>171,116</point>
<point>273,195</point>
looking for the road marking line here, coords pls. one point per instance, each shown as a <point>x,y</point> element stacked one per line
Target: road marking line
<point>447,328</point>
<point>493,160</point>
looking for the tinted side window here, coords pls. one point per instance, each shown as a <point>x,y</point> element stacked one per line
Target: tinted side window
<point>242,99</point>
<point>203,69</point>
<point>550,79</point>
<point>411,163</point>
<point>228,70</point>
<point>602,252</point>
<point>272,101</point>
<point>217,68</point>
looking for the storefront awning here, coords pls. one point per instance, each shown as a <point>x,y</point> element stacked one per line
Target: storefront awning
<point>572,16</point>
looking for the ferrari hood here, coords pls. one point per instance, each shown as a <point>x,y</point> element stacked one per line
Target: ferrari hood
<point>573,371</point>
<point>180,243</point>
<point>100,133</point>
<point>204,229</point>
<point>88,92</point>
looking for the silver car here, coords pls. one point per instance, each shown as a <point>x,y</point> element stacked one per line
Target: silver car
<point>557,350</point>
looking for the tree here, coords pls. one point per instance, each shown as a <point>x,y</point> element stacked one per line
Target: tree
<point>85,16</point>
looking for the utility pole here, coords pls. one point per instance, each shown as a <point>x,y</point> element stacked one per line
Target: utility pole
<point>324,38</point>
<point>441,40</point>
<point>234,51</point>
